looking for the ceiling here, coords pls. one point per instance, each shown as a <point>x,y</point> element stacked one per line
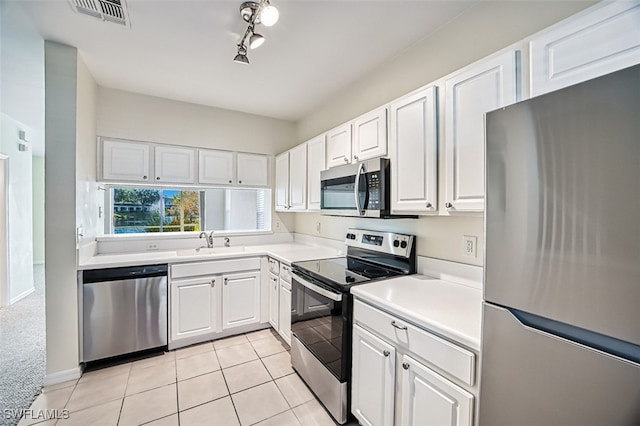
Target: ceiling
<point>183,50</point>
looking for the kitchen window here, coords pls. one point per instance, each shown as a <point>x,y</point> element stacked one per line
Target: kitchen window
<point>135,210</point>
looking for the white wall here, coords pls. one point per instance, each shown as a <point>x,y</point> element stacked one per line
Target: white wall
<point>38,209</point>
<point>146,118</point>
<point>20,210</point>
<point>485,28</point>
<point>61,76</point>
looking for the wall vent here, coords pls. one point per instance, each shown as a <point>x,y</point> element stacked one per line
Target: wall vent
<point>106,10</point>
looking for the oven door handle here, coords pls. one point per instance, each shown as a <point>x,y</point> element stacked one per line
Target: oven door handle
<point>336,297</point>
<point>356,189</point>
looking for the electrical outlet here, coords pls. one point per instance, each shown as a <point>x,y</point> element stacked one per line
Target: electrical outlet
<point>152,246</point>
<point>277,224</point>
<point>318,227</point>
<point>469,245</point>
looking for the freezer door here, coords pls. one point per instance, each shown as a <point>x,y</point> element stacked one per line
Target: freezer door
<point>531,377</point>
<point>563,203</point>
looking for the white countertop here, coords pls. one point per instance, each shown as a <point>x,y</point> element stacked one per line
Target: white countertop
<point>449,309</point>
<point>288,253</point>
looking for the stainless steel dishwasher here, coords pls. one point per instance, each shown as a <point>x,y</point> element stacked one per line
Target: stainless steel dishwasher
<point>124,310</point>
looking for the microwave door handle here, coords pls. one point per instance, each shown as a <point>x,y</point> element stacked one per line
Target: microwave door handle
<point>356,188</point>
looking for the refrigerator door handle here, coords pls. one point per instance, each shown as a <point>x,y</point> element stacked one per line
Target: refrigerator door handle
<point>600,342</point>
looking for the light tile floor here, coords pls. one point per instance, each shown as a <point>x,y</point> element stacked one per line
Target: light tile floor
<point>240,380</point>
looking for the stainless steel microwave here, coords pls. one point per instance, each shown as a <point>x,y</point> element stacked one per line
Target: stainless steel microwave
<point>361,189</point>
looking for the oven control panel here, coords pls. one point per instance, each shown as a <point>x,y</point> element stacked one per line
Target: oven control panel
<point>386,242</point>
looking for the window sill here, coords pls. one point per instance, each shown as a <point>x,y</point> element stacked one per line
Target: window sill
<point>177,235</point>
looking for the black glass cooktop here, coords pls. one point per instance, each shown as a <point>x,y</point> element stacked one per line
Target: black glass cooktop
<point>342,271</point>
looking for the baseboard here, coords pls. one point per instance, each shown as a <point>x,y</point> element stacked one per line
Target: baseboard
<point>62,376</point>
<point>22,295</point>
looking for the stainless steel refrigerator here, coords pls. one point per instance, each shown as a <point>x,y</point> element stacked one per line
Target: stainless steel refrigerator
<point>561,317</point>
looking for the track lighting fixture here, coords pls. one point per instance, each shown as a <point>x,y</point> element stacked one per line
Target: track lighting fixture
<point>255,13</point>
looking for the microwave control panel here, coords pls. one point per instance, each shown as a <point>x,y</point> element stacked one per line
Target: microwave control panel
<point>373,181</point>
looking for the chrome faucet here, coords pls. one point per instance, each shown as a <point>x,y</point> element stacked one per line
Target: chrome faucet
<point>207,237</point>
<point>227,243</point>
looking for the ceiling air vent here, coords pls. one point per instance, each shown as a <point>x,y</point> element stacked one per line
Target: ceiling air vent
<point>106,10</point>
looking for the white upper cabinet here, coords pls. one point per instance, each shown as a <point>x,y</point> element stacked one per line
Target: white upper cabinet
<point>126,161</point>
<point>370,135</point>
<point>413,150</point>
<point>486,85</point>
<point>282,182</point>
<point>174,164</point>
<point>316,160</point>
<point>230,168</point>
<point>339,146</point>
<point>253,169</point>
<point>298,178</point>
<point>216,167</point>
<point>600,40</point>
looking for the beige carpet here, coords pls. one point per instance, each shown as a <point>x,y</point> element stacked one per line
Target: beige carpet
<point>22,351</point>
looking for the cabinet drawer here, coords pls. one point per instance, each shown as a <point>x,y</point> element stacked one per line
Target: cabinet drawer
<point>274,266</point>
<point>217,267</point>
<point>448,357</point>
<point>285,273</point>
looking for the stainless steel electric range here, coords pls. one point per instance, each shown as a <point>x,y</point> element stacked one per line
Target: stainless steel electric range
<point>322,305</point>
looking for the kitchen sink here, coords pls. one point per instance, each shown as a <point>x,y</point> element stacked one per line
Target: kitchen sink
<point>204,251</point>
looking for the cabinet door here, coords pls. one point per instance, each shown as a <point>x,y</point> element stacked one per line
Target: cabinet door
<point>282,182</point>
<point>284,321</point>
<point>240,299</point>
<point>370,135</point>
<point>216,167</point>
<point>339,146</point>
<point>413,149</point>
<point>253,169</point>
<point>484,86</point>
<point>298,178</point>
<point>194,307</point>
<point>316,161</point>
<point>125,161</point>
<point>174,165</point>
<point>430,399</point>
<point>598,41</point>
<point>274,297</point>
<point>373,379</point>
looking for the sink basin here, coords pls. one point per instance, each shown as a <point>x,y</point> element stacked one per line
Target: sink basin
<point>204,251</point>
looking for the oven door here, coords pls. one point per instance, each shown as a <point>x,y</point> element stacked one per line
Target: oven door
<point>320,322</point>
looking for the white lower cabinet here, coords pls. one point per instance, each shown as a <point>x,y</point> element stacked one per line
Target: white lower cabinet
<point>213,299</point>
<point>373,379</point>
<point>274,298</point>
<point>195,304</point>
<point>241,297</point>
<point>284,312</point>
<point>430,399</point>
<point>391,387</point>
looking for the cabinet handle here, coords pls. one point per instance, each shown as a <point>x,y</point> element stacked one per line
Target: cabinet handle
<point>213,283</point>
<point>158,178</point>
<point>226,281</point>
<point>346,160</point>
<point>355,157</point>
<point>429,205</point>
<point>405,365</point>
<point>239,181</point>
<point>144,177</point>
<point>448,205</point>
<point>399,327</point>
<point>386,353</point>
<point>230,181</point>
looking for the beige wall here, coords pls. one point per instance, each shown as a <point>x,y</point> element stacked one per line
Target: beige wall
<point>38,209</point>
<point>146,118</point>
<point>484,29</point>
<point>61,68</point>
